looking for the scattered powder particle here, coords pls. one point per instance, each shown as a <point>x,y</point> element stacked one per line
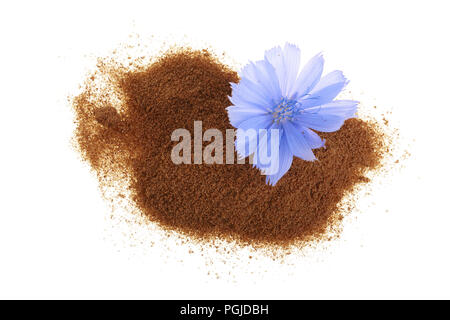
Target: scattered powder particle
<point>126,140</point>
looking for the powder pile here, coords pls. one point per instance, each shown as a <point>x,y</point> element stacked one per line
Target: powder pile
<point>128,143</point>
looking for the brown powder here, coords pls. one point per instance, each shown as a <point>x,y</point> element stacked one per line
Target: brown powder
<point>128,144</point>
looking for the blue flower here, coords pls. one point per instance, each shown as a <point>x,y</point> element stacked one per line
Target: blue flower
<point>273,95</point>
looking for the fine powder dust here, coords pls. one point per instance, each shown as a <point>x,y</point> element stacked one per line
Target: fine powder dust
<point>124,127</point>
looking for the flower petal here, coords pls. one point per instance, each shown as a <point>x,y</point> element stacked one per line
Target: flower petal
<point>264,146</point>
<point>275,57</point>
<point>239,102</point>
<point>328,117</point>
<point>251,92</point>
<point>248,142</point>
<point>245,145</point>
<point>262,73</point>
<point>257,122</point>
<point>326,89</point>
<point>308,77</point>
<point>248,71</point>
<point>344,108</point>
<point>313,138</point>
<point>286,63</point>
<point>291,65</point>
<point>297,142</point>
<point>285,162</point>
<point>237,115</point>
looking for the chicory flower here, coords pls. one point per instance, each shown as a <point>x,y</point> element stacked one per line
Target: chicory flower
<point>273,95</point>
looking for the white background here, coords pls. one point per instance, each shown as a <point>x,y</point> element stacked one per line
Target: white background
<point>55,238</point>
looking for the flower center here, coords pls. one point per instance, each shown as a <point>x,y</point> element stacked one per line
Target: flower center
<point>286,110</point>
